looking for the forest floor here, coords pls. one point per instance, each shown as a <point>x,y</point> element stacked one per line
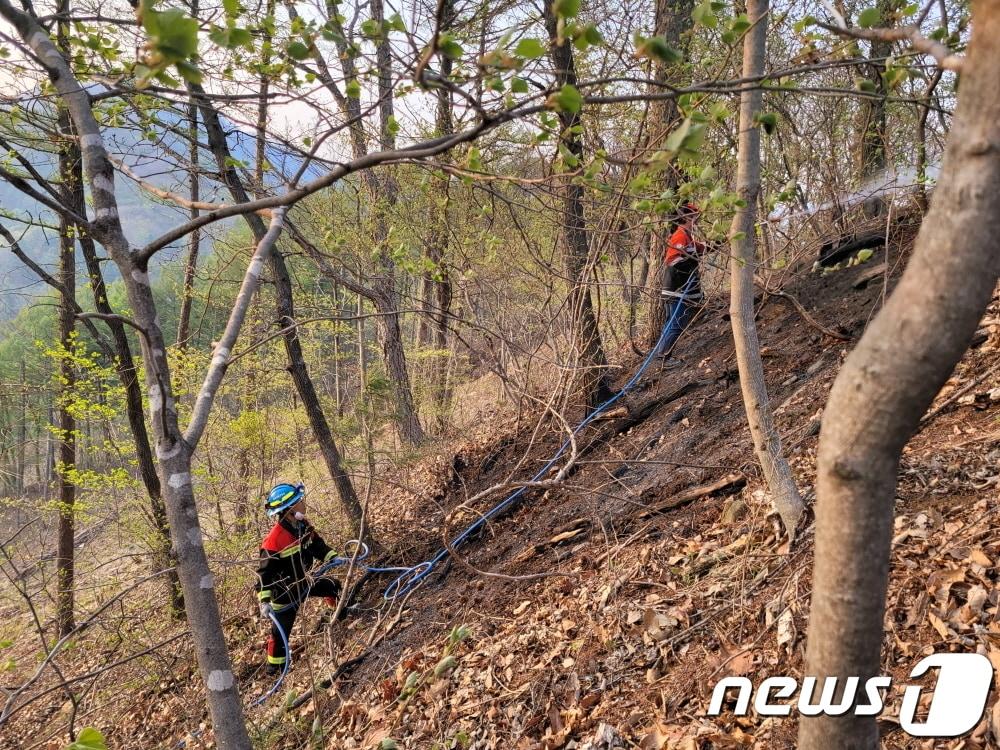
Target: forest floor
<point>601,613</point>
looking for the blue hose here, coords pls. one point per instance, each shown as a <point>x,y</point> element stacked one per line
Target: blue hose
<point>411,577</point>
<point>288,660</point>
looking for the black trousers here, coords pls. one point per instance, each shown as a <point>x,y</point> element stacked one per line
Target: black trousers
<point>327,587</point>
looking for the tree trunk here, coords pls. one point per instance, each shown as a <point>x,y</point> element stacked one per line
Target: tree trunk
<point>125,367</point>
<point>22,435</point>
<point>438,293</point>
<point>872,132</point>
<point>67,382</point>
<point>285,304</point>
<point>672,21</point>
<point>766,441</point>
<point>574,239</point>
<point>194,240</point>
<point>889,380</point>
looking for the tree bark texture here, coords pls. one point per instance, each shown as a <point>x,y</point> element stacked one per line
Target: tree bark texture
<point>672,21</point>
<point>889,380</point>
<point>766,441</point>
<point>574,238</point>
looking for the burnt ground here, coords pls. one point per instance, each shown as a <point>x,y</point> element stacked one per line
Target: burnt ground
<point>598,616</point>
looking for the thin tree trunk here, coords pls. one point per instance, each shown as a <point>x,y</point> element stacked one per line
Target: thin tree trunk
<point>173,449</point>
<point>67,383</point>
<point>574,238</point>
<point>766,441</point>
<point>194,239</point>
<point>889,380</point>
<point>439,294</point>
<point>921,138</point>
<point>872,130</point>
<point>22,435</point>
<point>672,21</point>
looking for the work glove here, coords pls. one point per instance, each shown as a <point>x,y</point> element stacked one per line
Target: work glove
<point>266,610</point>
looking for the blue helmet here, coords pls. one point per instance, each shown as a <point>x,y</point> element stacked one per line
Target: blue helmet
<point>283,497</point>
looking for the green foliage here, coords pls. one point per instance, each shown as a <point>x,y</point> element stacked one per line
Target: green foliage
<point>172,39</point>
<point>656,47</point>
<point>869,17</point>
<point>88,739</point>
<point>530,48</point>
<point>567,99</point>
<point>566,8</point>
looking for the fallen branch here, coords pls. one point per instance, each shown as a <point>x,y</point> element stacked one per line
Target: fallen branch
<point>695,493</point>
<point>957,395</point>
<point>802,311</point>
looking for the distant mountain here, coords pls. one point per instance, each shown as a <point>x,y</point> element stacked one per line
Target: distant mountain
<point>144,216</point>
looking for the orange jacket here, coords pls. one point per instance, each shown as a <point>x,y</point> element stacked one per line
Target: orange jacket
<point>681,246</point>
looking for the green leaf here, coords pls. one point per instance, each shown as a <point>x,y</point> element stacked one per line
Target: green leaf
<point>567,99</point>
<point>232,8</point>
<point>894,77</point>
<point>566,8</point>
<point>518,85</point>
<point>739,24</point>
<point>593,35</point>
<point>863,84</point>
<point>865,255</point>
<point>353,89</point>
<point>449,47</point>
<point>88,739</point>
<point>231,37</point>
<point>446,665</point>
<point>297,50</point>
<point>802,24</point>
<point>371,28</point>
<point>172,32</point>
<point>704,15</point>
<point>396,23</point>
<point>767,120</point>
<point>869,17</point>
<point>656,47</point>
<point>392,125</point>
<point>529,48</point>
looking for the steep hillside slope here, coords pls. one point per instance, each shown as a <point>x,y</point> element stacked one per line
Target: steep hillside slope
<point>600,613</point>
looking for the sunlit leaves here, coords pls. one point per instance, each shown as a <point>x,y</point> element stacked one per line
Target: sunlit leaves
<point>297,50</point>
<point>172,39</point>
<point>88,739</point>
<point>529,48</point>
<point>656,47</point>
<point>567,99</point>
<point>566,8</point>
<point>230,37</point>
<point>449,46</point>
<point>704,14</point>
<point>686,138</point>
<point>869,17</point>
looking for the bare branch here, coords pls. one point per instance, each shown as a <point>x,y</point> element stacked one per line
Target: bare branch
<point>220,358</point>
<point>944,57</point>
